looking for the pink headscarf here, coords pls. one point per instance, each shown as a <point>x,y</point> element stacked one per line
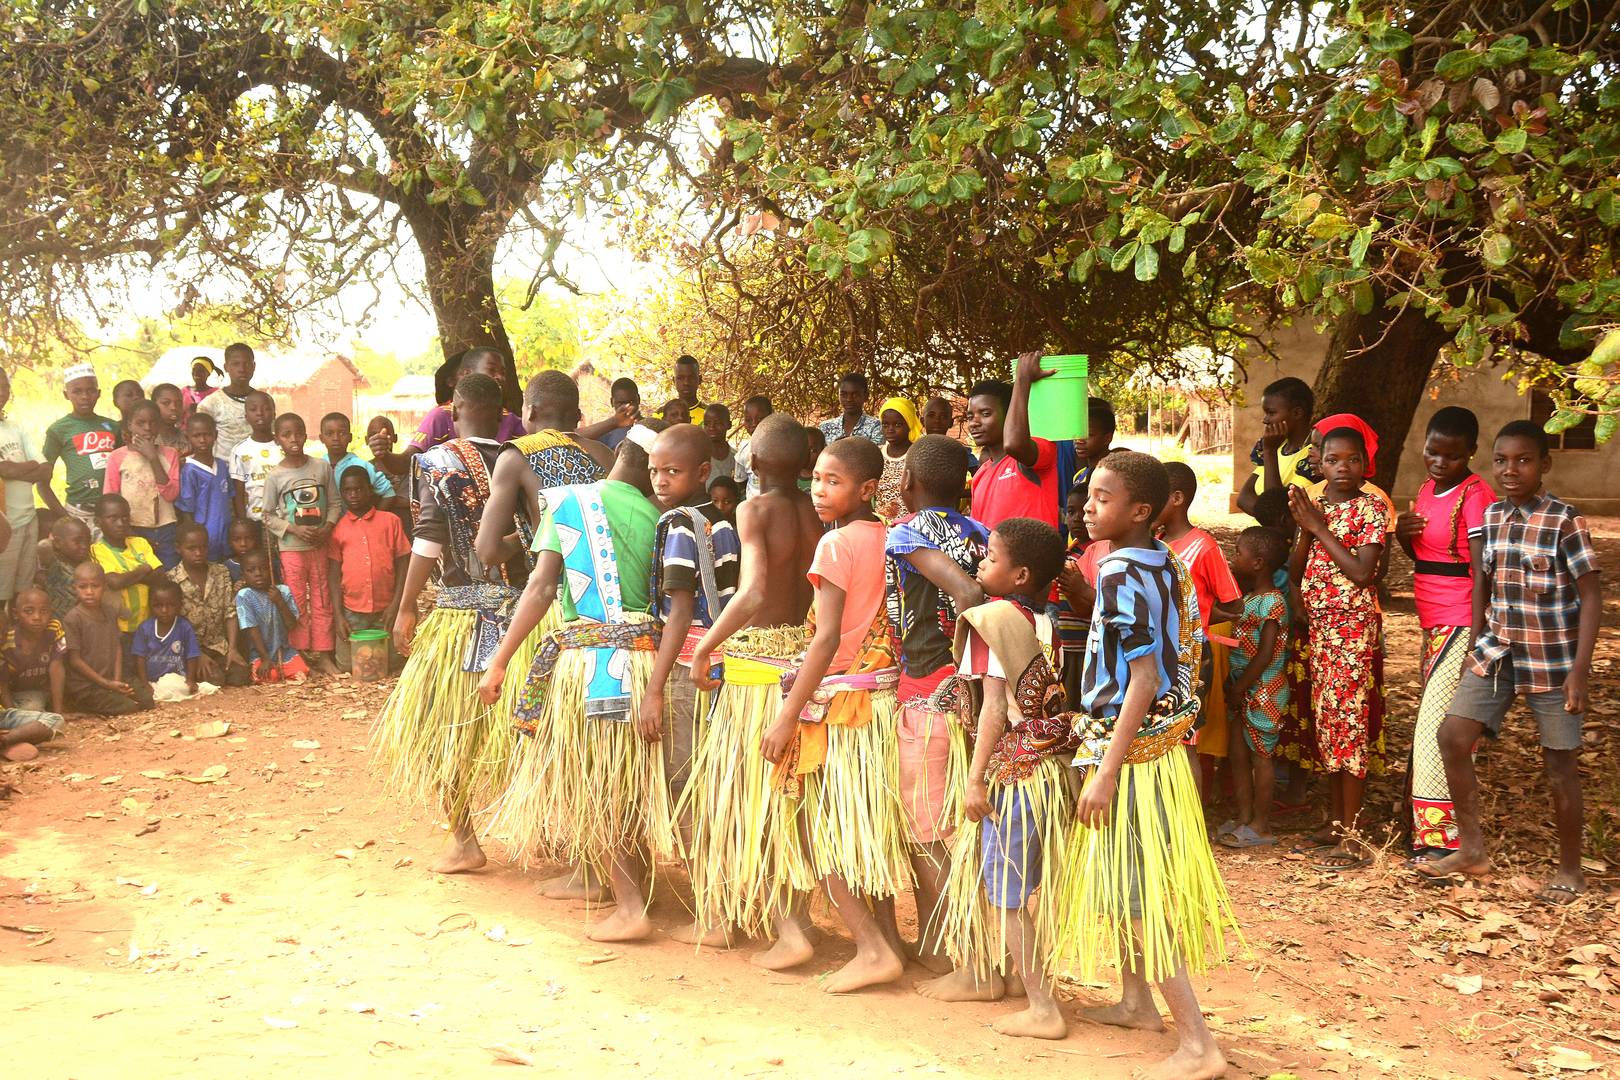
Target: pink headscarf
<point>1358,425</point>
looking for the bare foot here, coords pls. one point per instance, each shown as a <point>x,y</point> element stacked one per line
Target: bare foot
<point>625,924</point>
<point>1187,1064</point>
<point>575,885</point>
<point>964,984</point>
<point>931,959</point>
<point>1458,862</point>
<point>694,934</point>
<point>1035,1022</point>
<point>323,665</point>
<point>459,856</point>
<point>1015,986</point>
<point>878,966</point>
<point>21,752</point>
<point>1143,1018</point>
<point>790,950</point>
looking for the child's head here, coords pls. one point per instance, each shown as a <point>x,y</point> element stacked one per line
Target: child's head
<point>935,468</point>
<point>676,411</point>
<point>89,583</point>
<point>679,465</point>
<point>937,416</point>
<point>846,478</point>
<point>1344,461</point>
<point>1126,492</point>
<point>336,435</point>
<point>852,393</point>
<point>1271,510</point>
<point>1449,445</point>
<point>778,448</point>
<point>239,366</point>
<point>1023,558</point>
<point>476,405</point>
<point>385,426</point>
<point>987,406</point>
<point>256,569</point>
<point>243,536</point>
<point>259,409</point>
<point>624,391</point>
<point>202,368</point>
<point>31,607</point>
<point>70,540</point>
<point>756,409</point>
<point>1183,487</point>
<point>290,435</point>
<point>126,392</point>
<point>1100,425</point>
<point>717,422</point>
<point>1288,401</point>
<point>164,598</point>
<point>483,360</point>
<point>141,418</point>
<point>1521,456</point>
<point>688,378</point>
<point>166,396</point>
<point>81,389</point>
<point>112,518</point>
<point>896,424</point>
<point>191,540</point>
<point>1074,512</point>
<point>724,495</point>
<point>814,443</point>
<point>355,487</point>
<point>202,433</point>
<point>1259,553</point>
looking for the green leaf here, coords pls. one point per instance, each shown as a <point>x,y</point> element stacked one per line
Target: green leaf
<point>1327,226</point>
<point>1123,257</point>
<point>1496,249</point>
<point>1390,39</point>
<point>212,176</point>
<point>1358,246</point>
<point>1607,351</point>
<point>1457,64</point>
<point>1364,297</point>
<point>1177,241</point>
<point>1511,141</point>
<point>1147,263</point>
<point>1603,431</point>
<point>1563,419</point>
<point>1339,52</point>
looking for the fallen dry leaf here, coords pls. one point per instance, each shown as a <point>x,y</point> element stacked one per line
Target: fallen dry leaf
<point>211,729</point>
<point>600,958</point>
<point>306,744</point>
<point>1570,1059</point>
<point>509,1055</point>
<point>1464,984</point>
<point>343,853</point>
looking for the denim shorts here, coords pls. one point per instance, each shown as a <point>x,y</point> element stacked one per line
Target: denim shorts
<point>1485,699</point>
<point>1010,844</point>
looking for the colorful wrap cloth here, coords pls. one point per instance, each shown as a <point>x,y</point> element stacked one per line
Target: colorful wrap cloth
<point>558,461</point>
<point>745,854</point>
<point>1434,822</point>
<point>607,683</point>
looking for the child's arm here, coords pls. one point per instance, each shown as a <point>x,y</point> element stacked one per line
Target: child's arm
<point>334,581</point>
<point>256,643</point>
<point>942,570</point>
<point>1247,497</point>
<point>1359,564</point>
<point>80,667</point>
<point>140,668</point>
<point>401,565</point>
<point>498,540</point>
<point>292,617</point>
<point>1484,582</point>
<point>233,642</point>
<point>1098,796</point>
<point>753,561</point>
<point>992,723</point>
<point>538,595</point>
<point>191,674</point>
<point>682,603</point>
<point>1263,654</point>
<point>1591,598</point>
<point>817,659</point>
<point>5,695</point>
<point>58,680</point>
<point>239,498</point>
<point>1016,439</point>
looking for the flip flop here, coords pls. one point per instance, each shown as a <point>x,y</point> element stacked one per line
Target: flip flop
<point>1343,863</point>
<point>1311,847</point>
<point>1557,894</point>
<point>1245,837</point>
<point>1229,826</point>
<point>1443,881</point>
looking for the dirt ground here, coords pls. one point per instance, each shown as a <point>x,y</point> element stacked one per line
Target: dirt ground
<point>247,903</point>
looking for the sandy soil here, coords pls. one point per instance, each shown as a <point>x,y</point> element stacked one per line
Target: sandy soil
<point>247,903</point>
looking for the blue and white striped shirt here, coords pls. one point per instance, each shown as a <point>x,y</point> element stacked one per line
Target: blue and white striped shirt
<point>1140,601</point>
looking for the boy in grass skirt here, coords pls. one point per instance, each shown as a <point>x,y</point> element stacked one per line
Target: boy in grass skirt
<point>433,742</point>
<point>747,860</point>
<point>584,783</point>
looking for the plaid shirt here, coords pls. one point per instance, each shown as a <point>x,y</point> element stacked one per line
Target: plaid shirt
<point>1534,555</point>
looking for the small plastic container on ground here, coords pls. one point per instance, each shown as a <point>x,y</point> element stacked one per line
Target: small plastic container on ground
<point>368,652</point>
<point>1057,404</point>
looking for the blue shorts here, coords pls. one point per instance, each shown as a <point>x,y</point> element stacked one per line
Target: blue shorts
<point>1010,845</point>
<point>11,719</point>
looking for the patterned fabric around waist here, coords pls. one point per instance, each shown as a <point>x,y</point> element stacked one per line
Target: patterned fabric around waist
<point>493,605</point>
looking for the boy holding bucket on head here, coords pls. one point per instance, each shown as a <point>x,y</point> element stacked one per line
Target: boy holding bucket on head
<point>367,554</point>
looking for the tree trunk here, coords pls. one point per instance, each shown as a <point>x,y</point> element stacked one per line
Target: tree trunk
<point>458,256</point>
<point>1379,370</point>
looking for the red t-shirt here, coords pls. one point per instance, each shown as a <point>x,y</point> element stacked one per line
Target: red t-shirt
<point>1212,578</point>
<point>1006,488</point>
<point>365,549</point>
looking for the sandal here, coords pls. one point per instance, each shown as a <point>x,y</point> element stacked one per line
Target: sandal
<point>1341,862</point>
<point>1228,826</point>
<point>1557,894</point>
<point>1245,837</point>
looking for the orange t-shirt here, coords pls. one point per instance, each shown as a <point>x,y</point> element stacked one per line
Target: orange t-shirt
<point>852,559</point>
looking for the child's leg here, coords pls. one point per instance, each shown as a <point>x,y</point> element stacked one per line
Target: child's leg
<point>925,737</point>
<point>1135,1008</point>
<point>931,867</point>
<point>1243,793</point>
<point>101,701</point>
<point>1264,770</point>
<point>875,959</point>
<point>322,625</point>
<point>1564,779</point>
<point>1042,1019</point>
<point>680,739</point>
<point>1458,737</point>
<point>296,575</point>
<point>23,729</point>
<point>627,869</point>
<point>1011,842</point>
<point>792,946</point>
<point>1196,1055</point>
<point>461,851</point>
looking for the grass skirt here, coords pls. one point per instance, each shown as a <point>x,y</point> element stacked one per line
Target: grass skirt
<point>435,745</point>
<point>583,789</point>
<point>745,858</point>
<point>972,932</point>
<point>857,822</point>
<point>1151,862</point>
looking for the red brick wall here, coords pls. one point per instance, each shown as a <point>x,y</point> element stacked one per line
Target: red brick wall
<point>330,389</point>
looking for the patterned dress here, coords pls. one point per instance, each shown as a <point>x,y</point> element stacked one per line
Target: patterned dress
<point>1265,701</point>
<point>1346,632</point>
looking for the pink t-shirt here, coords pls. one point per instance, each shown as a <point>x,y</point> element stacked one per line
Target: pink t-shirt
<point>1212,578</point>
<point>1453,517</point>
<point>852,558</point>
<point>1007,488</point>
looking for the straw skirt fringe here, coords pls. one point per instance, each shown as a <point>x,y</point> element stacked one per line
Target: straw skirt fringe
<point>857,821</point>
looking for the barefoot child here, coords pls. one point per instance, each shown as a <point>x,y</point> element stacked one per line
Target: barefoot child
<point>368,556</point>
<point>1140,887</point>
<point>208,602</point>
<point>1020,793</point>
<point>33,676</point>
<point>300,509</point>
<point>1257,692</point>
<point>166,644</point>
<point>584,781</point>
<point>267,615</point>
<point>96,682</point>
<point>748,863</point>
<point>70,546</point>
<point>834,740</point>
<point>694,570</point>
<point>1535,625</point>
<point>229,407</point>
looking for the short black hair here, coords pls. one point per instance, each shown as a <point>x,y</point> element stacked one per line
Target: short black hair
<point>626,385</point>
<point>1182,478</point>
<point>855,379</point>
<point>1036,546</point>
<point>337,416</point>
<point>477,353</point>
<point>1345,434</point>
<point>725,482</point>
<point>61,525</point>
<point>207,418</point>
<point>239,347</point>
<point>1268,543</point>
<point>719,408</point>
<point>1455,422</point>
<point>163,387</point>
<point>275,425</point>
<point>995,388</point>
<point>1526,429</point>
<point>164,586</point>
<point>1296,392</point>
<point>1100,414</point>
<point>352,470</point>
<point>938,463</point>
<point>551,388</point>
<point>107,502</point>
<point>1144,476</point>
<point>1271,508</point>
<point>122,383</point>
<point>780,440</point>
<point>686,358</point>
<point>760,401</point>
<point>476,388</point>
<point>860,454</point>
<point>255,395</point>
<point>185,529</point>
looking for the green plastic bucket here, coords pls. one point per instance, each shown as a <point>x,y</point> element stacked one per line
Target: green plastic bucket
<point>368,655</point>
<point>1057,404</point>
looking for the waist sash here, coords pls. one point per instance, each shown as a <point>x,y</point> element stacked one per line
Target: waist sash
<point>493,604</point>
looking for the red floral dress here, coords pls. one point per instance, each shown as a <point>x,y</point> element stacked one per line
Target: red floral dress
<point>1345,635</point>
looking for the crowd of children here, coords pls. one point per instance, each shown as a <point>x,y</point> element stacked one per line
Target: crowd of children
<point>852,657</point>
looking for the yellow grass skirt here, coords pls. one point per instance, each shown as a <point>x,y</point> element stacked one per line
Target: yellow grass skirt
<point>746,857</point>
<point>973,932</point>
<point>581,788</point>
<point>434,744</point>
<point>1151,864</point>
<point>852,804</point>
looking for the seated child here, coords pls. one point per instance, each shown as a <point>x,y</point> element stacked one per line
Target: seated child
<point>70,546</point>
<point>244,536</point>
<point>128,560</point>
<point>33,668</point>
<point>267,616</point>
<point>166,644</point>
<point>1257,691</point>
<point>95,650</point>
<point>208,602</point>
